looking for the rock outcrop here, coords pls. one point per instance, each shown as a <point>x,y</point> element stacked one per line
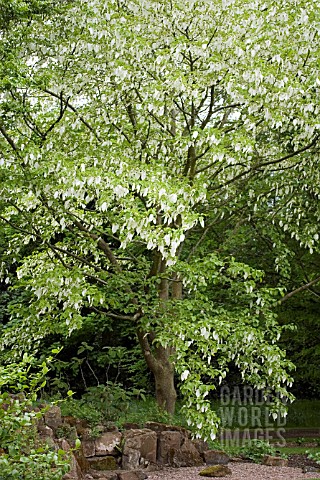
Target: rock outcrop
<point>115,455</point>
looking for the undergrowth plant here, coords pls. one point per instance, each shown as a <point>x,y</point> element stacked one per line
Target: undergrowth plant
<point>103,403</point>
<point>22,455</point>
<point>257,449</point>
<point>314,456</point>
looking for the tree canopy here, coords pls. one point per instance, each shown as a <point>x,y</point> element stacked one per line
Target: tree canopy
<point>130,131</point>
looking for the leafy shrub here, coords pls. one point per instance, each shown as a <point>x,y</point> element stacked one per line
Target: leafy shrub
<point>102,404</point>
<point>314,456</point>
<point>22,454</point>
<point>147,410</point>
<point>82,410</point>
<point>257,449</point>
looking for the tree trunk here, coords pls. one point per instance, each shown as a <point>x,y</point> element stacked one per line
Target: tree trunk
<point>159,358</point>
<point>163,372</point>
<point>158,361</point>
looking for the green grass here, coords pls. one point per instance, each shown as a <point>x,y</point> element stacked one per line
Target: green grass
<point>298,450</point>
<point>301,414</point>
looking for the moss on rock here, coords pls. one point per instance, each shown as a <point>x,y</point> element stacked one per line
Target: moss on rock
<point>216,471</point>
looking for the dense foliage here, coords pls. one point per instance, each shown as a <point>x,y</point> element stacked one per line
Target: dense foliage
<point>140,141</point>
<point>23,455</point>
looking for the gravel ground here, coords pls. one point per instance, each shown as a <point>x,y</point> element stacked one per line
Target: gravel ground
<point>240,471</point>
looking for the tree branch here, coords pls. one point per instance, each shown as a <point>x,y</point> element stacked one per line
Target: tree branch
<point>9,139</point>
<point>146,350</point>
<point>63,107</point>
<point>71,107</point>
<point>101,244</point>
<point>210,111</point>
<point>76,257</point>
<point>116,315</point>
<point>255,168</point>
<point>300,289</point>
<point>22,230</point>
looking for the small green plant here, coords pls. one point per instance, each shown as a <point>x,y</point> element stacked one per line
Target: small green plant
<point>22,454</point>
<point>67,432</point>
<point>257,449</point>
<point>314,456</point>
<point>95,431</point>
<point>300,440</point>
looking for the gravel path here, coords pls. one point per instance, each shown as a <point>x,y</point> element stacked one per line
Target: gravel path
<point>240,471</point>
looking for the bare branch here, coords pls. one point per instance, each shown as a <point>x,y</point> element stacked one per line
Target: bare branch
<point>122,132</point>
<point>22,230</point>
<point>146,350</point>
<point>76,257</point>
<point>71,107</point>
<point>63,107</point>
<point>257,167</point>
<point>194,248</point>
<point>210,111</point>
<point>117,316</point>
<point>300,289</point>
<point>67,267</point>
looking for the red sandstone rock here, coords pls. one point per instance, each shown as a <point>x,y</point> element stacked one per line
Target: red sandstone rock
<point>140,449</point>
<point>275,461</point>
<point>108,444</point>
<point>216,457</point>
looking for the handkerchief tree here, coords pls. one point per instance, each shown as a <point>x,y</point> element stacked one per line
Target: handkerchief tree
<point>129,129</point>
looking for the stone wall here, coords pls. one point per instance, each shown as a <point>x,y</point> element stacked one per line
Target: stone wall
<point>114,455</point>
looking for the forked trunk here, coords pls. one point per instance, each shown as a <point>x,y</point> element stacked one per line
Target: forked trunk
<point>158,358</point>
